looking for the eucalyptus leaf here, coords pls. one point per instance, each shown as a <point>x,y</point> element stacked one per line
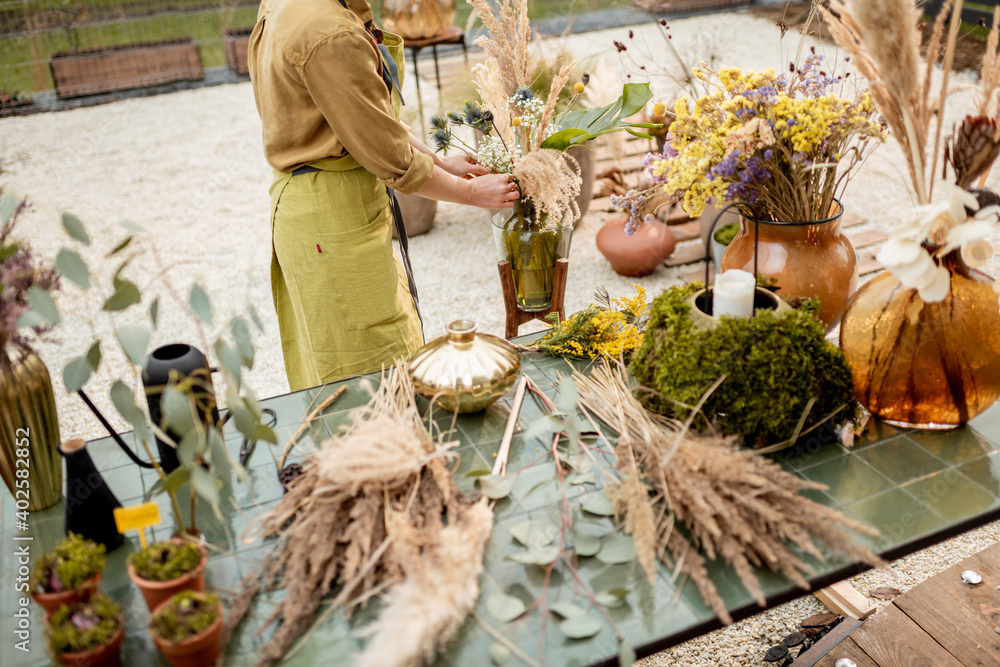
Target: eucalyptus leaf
<point>124,402</point>
<point>178,412</point>
<point>230,360</point>
<point>617,549</point>
<point>43,310</point>
<point>244,346</point>
<point>134,340</point>
<point>72,266</point>
<point>200,304</point>
<point>505,608</point>
<point>586,544</point>
<point>581,478</point>
<point>222,466</point>
<point>479,472</point>
<point>124,243</point>
<point>536,556</point>
<point>567,609</point>
<point>8,207</point>
<point>76,373</point>
<point>609,601</point>
<point>535,534</point>
<point>256,318</point>
<point>206,486</point>
<point>499,654</point>
<point>188,447</point>
<point>74,228</point>
<point>126,294</point>
<point>580,627</point>
<point>626,656</point>
<point>263,432</point>
<point>598,503</point>
<point>175,480</point>
<point>568,398</point>
<point>242,418</point>
<point>94,355</point>
<point>154,311</point>
<point>496,487</point>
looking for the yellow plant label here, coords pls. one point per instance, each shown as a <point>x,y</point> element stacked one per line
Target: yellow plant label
<point>137,517</point>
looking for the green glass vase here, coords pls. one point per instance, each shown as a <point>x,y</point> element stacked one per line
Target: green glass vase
<point>29,432</point>
<point>532,248</point>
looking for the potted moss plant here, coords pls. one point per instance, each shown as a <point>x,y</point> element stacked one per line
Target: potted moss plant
<point>186,629</point>
<point>721,239</point>
<point>166,568</point>
<point>69,574</point>
<point>87,634</point>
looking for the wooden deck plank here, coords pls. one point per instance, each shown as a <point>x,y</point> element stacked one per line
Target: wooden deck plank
<point>965,634</point>
<point>868,263</point>
<point>828,643</point>
<point>847,649</point>
<point>686,253</point>
<point>892,639</point>
<point>983,600</point>
<point>865,237</point>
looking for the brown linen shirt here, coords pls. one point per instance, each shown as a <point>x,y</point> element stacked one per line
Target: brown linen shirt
<point>316,74</point>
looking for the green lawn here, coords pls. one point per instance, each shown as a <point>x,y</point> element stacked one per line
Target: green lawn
<point>190,19</point>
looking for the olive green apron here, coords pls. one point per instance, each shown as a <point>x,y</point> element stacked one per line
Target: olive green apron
<point>341,294</point>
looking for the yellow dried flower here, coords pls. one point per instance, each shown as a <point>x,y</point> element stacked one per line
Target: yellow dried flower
<point>659,108</point>
<point>515,121</point>
<point>578,88</point>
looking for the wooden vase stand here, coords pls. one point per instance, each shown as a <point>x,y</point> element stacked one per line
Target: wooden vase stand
<point>515,316</point>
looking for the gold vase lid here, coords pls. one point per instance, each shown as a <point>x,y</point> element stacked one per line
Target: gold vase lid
<point>465,370</point>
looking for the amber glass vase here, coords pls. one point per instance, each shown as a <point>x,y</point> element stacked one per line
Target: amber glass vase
<point>925,365</point>
<point>807,259</point>
<point>418,19</point>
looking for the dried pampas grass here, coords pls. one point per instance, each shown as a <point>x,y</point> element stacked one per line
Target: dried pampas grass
<point>374,510</point>
<point>508,34</point>
<point>552,180</point>
<point>736,504</point>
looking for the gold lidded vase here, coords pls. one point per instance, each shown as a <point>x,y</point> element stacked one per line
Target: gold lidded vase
<point>465,371</point>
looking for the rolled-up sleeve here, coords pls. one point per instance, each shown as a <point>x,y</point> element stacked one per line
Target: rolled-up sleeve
<point>342,77</point>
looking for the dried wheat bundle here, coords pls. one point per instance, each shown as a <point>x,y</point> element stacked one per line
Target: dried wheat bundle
<point>374,510</point>
<point>735,503</point>
<point>508,34</point>
<point>882,38</point>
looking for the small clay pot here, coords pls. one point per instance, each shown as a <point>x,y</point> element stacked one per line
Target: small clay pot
<point>106,655</point>
<point>201,650</point>
<point>157,592</point>
<point>639,254</point>
<point>50,602</point>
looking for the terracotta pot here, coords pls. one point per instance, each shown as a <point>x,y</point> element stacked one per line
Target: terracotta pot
<point>808,259</point>
<point>925,365</point>
<point>418,214</point>
<point>50,602</point>
<point>156,592</point>
<point>107,655</point>
<point>201,650</point>
<point>639,254</point>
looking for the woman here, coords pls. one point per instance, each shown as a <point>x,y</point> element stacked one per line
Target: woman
<point>325,91</point>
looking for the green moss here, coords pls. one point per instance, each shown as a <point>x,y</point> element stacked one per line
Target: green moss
<point>84,626</point>
<point>726,233</point>
<point>187,614</point>
<point>72,562</point>
<point>163,561</point>
<point>774,365</point>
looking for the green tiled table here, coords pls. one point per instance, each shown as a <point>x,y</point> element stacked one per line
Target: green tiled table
<point>916,488</point>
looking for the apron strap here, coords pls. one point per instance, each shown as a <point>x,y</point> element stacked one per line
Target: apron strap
<point>404,250</point>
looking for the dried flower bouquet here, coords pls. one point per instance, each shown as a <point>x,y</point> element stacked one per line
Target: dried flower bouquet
<point>735,504</point>
<point>375,511</point>
<point>784,145</point>
<point>881,37</point>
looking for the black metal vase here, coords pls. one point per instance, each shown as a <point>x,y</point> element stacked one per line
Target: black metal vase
<point>186,361</point>
<point>90,503</point>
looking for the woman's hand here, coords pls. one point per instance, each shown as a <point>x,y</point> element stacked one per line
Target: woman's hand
<point>462,165</point>
<point>493,191</point>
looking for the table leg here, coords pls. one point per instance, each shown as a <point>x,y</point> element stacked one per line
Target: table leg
<point>437,73</point>
<point>416,79</point>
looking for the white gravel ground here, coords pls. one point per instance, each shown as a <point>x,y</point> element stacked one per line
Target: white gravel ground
<point>189,168</point>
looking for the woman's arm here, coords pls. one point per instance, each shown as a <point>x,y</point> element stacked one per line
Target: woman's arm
<point>459,164</point>
<point>489,191</point>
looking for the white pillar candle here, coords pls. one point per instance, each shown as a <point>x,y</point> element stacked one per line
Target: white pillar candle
<point>733,294</point>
